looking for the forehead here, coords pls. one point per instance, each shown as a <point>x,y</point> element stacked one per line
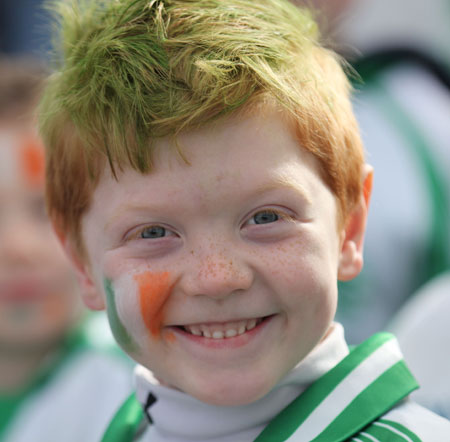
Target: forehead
<point>241,154</point>
<point>258,144</point>
<point>21,158</point>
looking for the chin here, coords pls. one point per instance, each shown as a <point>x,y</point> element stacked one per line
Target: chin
<point>228,394</point>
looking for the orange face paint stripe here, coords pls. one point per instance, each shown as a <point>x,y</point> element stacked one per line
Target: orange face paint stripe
<point>154,290</point>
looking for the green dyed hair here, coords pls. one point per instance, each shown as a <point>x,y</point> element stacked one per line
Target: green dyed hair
<point>131,71</point>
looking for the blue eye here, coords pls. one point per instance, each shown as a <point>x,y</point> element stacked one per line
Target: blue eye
<point>265,217</point>
<point>153,232</point>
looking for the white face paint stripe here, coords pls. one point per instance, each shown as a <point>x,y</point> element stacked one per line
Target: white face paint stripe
<point>9,159</point>
<point>353,384</point>
<point>394,430</point>
<point>128,307</point>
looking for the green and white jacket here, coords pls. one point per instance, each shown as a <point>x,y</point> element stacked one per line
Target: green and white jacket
<point>333,395</point>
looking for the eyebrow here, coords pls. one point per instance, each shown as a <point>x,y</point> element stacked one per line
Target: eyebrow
<point>285,182</point>
<point>128,207</point>
<point>277,183</point>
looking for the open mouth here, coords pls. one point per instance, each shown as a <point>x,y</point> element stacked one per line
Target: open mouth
<point>223,330</point>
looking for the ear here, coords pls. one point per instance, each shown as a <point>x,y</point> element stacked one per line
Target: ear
<point>92,298</point>
<point>352,242</point>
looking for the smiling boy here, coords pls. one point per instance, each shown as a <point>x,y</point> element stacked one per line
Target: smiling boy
<point>206,178</point>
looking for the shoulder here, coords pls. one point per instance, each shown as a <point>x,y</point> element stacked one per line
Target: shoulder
<point>93,360</point>
<point>79,397</point>
<point>408,421</point>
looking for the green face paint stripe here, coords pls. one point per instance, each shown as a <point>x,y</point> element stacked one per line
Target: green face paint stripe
<point>118,329</point>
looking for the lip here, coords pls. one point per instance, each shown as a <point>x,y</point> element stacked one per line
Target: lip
<point>234,342</point>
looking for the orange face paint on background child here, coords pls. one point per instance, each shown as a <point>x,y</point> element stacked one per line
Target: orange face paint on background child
<point>32,161</point>
<point>22,159</point>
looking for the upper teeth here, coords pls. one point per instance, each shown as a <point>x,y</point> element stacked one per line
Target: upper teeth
<point>220,331</point>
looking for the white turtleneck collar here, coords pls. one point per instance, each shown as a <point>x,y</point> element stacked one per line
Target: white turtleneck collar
<point>178,417</point>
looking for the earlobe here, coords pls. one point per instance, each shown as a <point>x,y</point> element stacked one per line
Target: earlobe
<point>351,252</point>
<point>91,297</point>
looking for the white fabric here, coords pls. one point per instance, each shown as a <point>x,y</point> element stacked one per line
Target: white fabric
<point>80,399</point>
<point>77,405</point>
<point>426,425</point>
<point>423,330</point>
<point>179,417</point>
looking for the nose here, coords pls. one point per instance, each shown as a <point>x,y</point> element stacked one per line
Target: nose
<point>217,272</point>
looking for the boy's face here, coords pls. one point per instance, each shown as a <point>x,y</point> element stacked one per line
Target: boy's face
<point>37,286</point>
<point>218,275</point>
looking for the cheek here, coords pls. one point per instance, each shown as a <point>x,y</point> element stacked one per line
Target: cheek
<point>136,308</point>
<point>304,275</point>
<point>305,280</point>
<point>61,305</point>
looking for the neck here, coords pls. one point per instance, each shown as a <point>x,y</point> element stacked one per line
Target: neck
<point>178,416</point>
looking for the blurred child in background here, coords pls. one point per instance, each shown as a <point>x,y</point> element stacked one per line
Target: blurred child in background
<point>52,375</point>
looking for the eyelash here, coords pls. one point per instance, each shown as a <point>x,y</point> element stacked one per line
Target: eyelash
<point>167,232</point>
<point>280,216</point>
<point>138,234</point>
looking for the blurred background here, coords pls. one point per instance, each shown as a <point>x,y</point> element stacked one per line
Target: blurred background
<point>400,56</point>
<point>24,28</point>
<point>362,25</point>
